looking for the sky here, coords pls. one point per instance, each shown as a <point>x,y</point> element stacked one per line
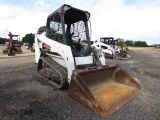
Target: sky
<point>127,19</point>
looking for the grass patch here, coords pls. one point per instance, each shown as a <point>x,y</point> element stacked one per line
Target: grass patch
<point>144,48</point>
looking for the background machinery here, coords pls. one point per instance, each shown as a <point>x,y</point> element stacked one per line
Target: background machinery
<point>111,48</point>
<point>107,48</point>
<point>13,46</point>
<point>65,58</point>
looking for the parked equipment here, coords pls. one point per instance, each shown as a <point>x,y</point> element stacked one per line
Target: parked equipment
<point>111,48</point>
<point>65,58</point>
<point>14,46</point>
<point>107,49</point>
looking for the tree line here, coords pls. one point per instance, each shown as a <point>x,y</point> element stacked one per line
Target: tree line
<point>29,38</point>
<point>3,40</point>
<point>136,43</point>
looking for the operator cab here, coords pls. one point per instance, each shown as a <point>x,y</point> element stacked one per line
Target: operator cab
<point>16,40</point>
<point>107,40</point>
<point>69,26</point>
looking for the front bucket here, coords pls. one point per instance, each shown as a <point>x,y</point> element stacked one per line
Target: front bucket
<point>123,55</point>
<point>103,89</point>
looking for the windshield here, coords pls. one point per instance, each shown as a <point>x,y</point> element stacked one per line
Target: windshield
<point>76,30</point>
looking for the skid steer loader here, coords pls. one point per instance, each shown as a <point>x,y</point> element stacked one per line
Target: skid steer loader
<point>111,49</point>
<point>65,58</point>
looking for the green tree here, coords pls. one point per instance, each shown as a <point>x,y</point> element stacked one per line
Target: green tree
<point>29,38</point>
<point>140,44</point>
<point>129,42</point>
<point>3,40</point>
<point>120,43</point>
<point>41,29</point>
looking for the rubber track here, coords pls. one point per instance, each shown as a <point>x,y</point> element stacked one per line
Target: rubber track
<point>59,69</point>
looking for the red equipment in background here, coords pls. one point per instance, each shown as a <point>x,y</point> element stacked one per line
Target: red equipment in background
<point>14,46</point>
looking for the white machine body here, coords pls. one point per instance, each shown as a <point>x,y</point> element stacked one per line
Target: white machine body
<point>66,58</point>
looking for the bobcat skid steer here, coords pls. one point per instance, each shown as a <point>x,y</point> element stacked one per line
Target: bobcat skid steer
<point>108,50</point>
<point>65,58</point>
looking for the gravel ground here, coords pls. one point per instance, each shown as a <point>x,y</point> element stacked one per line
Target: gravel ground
<point>24,95</point>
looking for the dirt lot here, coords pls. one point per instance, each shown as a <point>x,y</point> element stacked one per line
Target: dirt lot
<point>24,95</point>
<point>25,51</point>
